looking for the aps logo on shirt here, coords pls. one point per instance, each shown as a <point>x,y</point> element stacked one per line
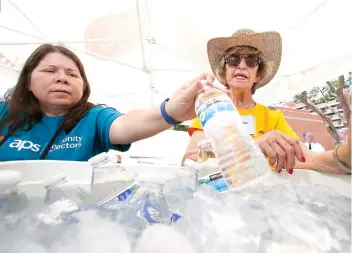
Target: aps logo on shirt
<point>67,143</point>
<point>24,144</point>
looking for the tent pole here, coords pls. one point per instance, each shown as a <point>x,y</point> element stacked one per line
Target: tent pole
<point>151,93</point>
<point>146,69</point>
<point>141,35</point>
<point>27,18</point>
<point>20,32</point>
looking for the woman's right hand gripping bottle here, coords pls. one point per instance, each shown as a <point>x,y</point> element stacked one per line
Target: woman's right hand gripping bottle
<point>239,158</point>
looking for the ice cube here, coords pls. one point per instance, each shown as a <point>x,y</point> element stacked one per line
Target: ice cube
<point>163,239</point>
<point>307,228</point>
<point>93,235</point>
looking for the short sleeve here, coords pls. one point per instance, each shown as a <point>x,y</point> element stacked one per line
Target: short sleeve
<point>195,125</point>
<point>284,127</point>
<point>104,120</point>
<point>4,108</point>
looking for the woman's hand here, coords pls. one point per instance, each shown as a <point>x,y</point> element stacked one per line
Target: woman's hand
<point>181,104</point>
<point>281,150</point>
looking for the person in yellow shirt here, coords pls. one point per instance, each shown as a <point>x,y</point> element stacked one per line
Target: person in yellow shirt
<point>244,63</point>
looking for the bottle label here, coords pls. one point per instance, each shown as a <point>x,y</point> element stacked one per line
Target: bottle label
<point>122,195</point>
<point>152,215</point>
<point>215,180</point>
<point>210,107</point>
<point>174,217</point>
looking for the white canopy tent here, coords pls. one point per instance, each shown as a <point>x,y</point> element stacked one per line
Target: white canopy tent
<point>137,52</point>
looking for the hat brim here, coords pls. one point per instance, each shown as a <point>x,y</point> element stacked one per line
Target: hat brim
<point>268,43</point>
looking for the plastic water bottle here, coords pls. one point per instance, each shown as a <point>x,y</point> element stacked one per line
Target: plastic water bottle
<point>11,198</point>
<point>180,188</point>
<point>154,208</point>
<point>58,188</point>
<point>149,203</point>
<point>119,195</point>
<point>240,159</point>
<point>111,182</point>
<point>194,168</point>
<point>210,172</point>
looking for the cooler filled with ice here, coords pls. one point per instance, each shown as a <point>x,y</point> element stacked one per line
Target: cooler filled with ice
<point>102,206</point>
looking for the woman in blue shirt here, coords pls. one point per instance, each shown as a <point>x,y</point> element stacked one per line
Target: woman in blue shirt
<point>47,115</point>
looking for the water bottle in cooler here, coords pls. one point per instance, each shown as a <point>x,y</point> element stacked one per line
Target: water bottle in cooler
<point>58,188</point>
<point>148,203</point>
<point>111,182</point>
<point>154,208</point>
<point>210,172</point>
<point>206,170</point>
<point>11,198</point>
<point>240,159</point>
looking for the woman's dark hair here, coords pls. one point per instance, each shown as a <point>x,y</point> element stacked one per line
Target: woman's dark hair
<point>24,109</point>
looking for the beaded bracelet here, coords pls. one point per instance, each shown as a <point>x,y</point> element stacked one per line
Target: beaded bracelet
<point>338,161</point>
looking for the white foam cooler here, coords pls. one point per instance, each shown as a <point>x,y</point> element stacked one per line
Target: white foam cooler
<point>34,174</point>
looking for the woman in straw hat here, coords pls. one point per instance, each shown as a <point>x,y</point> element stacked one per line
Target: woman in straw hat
<point>244,63</point>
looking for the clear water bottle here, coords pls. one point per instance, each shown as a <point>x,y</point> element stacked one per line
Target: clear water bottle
<point>240,159</point>
<point>206,170</point>
<point>210,173</point>
<point>58,188</point>
<point>11,198</point>
<point>148,203</point>
<point>194,168</point>
<point>180,188</point>
<point>154,208</point>
<point>111,182</point>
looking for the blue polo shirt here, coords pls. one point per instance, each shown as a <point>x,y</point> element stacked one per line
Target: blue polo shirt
<point>87,139</point>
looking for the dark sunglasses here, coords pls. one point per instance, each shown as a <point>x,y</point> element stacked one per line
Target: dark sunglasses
<point>251,60</point>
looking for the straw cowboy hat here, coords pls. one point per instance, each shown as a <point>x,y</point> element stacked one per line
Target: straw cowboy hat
<point>268,43</point>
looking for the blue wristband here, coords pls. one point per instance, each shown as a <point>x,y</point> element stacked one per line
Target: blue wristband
<point>166,116</point>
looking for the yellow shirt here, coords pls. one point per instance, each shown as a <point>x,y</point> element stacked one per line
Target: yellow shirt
<point>265,120</point>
